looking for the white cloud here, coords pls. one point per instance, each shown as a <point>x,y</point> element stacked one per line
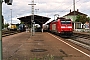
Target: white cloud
<point>46,8</point>
<point>15,21</point>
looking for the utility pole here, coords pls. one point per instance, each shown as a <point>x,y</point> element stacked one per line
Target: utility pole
<point>74,12</point>
<point>1,30</point>
<point>32,18</point>
<point>74,6</point>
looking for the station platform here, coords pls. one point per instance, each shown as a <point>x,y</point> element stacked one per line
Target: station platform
<point>41,46</point>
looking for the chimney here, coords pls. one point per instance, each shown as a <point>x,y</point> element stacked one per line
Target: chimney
<point>70,10</point>
<point>77,10</point>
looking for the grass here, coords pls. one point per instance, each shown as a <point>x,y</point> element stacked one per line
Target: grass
<point>48,57</point>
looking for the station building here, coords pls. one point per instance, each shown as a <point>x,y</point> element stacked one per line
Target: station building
<point>72,15</point>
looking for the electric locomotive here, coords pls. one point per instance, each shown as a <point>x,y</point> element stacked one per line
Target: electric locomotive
<point>62,26</point>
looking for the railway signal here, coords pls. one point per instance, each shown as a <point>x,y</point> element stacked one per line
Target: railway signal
<point>9,2</point>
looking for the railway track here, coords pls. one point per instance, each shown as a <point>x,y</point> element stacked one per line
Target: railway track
<point>8,33</point>
<point>82,40</point>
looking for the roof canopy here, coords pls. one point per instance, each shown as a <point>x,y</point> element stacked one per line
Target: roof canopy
<point>37,19</point>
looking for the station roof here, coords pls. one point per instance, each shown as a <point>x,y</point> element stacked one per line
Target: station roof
<point>76,13</point>
<point>37,19</point>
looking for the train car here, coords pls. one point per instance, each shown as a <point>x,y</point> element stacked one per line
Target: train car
<point>62,26</point>
<point>22,27</point>
<point>12,27</point>
<point>45,28</point>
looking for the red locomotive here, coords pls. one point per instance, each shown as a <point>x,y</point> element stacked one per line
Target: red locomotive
<point>62,26</point>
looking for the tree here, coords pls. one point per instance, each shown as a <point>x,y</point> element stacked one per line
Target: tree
<point>6,25</point>
<point>82,19</point>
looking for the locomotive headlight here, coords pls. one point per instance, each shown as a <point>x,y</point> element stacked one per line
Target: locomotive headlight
<point>62,26</point>
<point>69,26</point>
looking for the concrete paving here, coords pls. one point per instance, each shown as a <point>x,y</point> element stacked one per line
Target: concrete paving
<point>41,46</point>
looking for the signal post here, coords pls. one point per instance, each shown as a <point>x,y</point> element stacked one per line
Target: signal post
<point>1,55</point>
<point>9,2</point>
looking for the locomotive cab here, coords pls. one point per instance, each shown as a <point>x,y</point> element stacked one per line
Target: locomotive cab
<point>66,26</point>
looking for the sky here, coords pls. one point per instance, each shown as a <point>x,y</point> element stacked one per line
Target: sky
<point>47,8</point>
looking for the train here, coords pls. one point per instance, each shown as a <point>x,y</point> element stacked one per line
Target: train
<point>12,27</point>
<point>15,27</point>
<point>61,26</point>
<point>22,27</point>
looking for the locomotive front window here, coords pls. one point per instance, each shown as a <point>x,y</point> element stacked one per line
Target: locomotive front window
<point>65,22</point>
<point>68,22</point>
